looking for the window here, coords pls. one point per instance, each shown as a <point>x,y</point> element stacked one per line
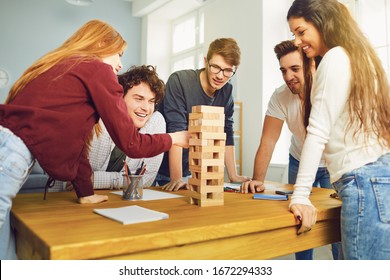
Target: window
<point>373,18</point>
<point>187,41</point>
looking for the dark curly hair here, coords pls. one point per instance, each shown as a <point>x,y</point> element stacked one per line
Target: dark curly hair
<point>144,73</point>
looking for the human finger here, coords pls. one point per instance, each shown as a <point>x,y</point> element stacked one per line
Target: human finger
<point>255,186</point>
<point>95,198</point>
<point>260,187</point>
<point>179,185</point>
<point>167,186</point>
<point>244,187</point>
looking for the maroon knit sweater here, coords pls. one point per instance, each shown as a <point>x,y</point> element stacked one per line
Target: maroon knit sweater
<point>55,113</point>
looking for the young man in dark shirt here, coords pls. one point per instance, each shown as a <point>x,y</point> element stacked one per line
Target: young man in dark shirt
<point>207,86</point>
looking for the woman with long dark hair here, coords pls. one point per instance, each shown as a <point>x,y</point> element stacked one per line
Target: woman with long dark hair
<point>349,122</point>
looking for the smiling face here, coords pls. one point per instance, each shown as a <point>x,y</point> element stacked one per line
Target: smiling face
<point>114,61</point>
<point>292,71</point>
<point>307,37</point>
<point>140,102</point>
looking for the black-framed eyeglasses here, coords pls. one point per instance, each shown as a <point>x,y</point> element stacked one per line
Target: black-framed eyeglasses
<point>227,72</point>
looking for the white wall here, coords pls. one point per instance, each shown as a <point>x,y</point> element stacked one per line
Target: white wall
<point>242,20</point>
<point>374,19</point>
<point>32,28</point>
<point>258,27</point>
<point>275,30</point>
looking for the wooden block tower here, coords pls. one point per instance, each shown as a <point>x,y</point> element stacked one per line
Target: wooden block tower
<point>206,155</point>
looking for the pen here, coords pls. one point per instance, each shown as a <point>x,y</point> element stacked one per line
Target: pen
<point>139,169</point>
<point>143,170</point>
<point>126,171</point>
<point>138,179</point>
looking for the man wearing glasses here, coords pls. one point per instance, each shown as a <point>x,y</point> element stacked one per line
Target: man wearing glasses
<point>207,86</point>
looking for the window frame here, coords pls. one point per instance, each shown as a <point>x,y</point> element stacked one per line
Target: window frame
<point>195,51</point>
<point>383,50</point>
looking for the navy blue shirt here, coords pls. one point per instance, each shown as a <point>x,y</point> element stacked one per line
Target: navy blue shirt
<point>184,90</point>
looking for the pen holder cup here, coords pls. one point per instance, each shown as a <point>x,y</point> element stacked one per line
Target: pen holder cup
<point>132,188</point>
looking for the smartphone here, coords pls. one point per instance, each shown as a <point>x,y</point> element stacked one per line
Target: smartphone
<point>285,192</point>
<point>270,196</point>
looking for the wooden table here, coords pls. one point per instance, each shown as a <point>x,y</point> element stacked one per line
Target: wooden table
<point>244,228</point>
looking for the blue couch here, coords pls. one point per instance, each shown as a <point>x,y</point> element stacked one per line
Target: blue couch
<point>36,181</point>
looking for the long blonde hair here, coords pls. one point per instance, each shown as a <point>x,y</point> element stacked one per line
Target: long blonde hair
<point>94,40</point>
<point>369,99</point>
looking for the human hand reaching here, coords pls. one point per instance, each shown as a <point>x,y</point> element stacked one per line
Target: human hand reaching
<point>252,186</point>
<point>175,185</point>
<point>180,138</point>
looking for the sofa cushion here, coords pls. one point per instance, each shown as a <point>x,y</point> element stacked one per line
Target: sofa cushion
<point>36,181</point>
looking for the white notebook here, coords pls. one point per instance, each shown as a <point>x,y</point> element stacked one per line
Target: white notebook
<point>131,214</point>
<point>153,195</point>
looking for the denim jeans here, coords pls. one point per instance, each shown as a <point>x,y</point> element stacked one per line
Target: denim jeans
<point>162,180</point>
<point>15,164</point>
<point>322,180</point>
<point>365,212</point>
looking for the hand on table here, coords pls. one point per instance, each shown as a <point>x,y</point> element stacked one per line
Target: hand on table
<point>239,179</point>
<point>175,185</point>
<point>306,214</point>
<point>252,186</point>
<point>95,198</point>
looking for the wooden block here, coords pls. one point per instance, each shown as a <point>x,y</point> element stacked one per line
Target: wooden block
<point>202,128</point>
<point>206,189</point>
<point>208,109</point>
<point>206,203</point>
<point>210,202</point>
<point>197,155</point>
<point>206,195</point>
<point>198,142</point>
<point>206,155</point>
<point>209,135</point>
<point>207,175</point>
<point>204,122</point>
<point>205,168</point>
<point>206,142</point>
<point>206,182</point>
<point>208,149</point>
<point>194,194</point>
<point>206,162</point>
<point>207,116</point>
<point>204,200</point>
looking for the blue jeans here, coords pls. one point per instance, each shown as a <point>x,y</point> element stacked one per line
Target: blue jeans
<point>365,212</point>
<point>323,180</point>
<point>162,180</point>
<point>16,162</point>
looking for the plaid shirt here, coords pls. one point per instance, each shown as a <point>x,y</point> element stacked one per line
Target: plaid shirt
<point>99,156</point>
